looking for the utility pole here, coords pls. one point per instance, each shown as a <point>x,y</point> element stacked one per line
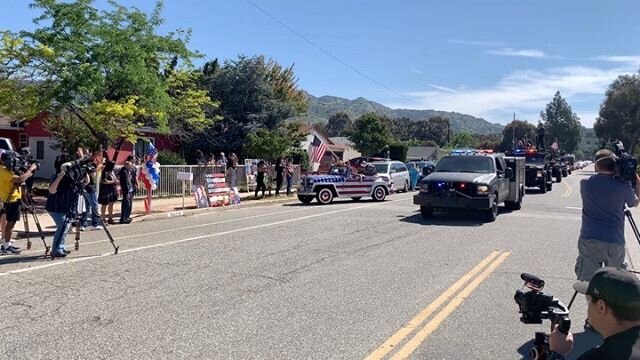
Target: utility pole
<point>448,132</point>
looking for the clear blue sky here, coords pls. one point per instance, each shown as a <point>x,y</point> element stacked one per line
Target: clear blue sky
<point>486,58</point>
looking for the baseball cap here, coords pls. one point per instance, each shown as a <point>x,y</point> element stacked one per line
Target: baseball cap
<point>614,286</point>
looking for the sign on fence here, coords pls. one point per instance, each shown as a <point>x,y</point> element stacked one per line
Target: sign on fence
<point>217,190</point>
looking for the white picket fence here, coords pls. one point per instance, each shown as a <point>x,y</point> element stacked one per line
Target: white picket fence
<point>170,186</point>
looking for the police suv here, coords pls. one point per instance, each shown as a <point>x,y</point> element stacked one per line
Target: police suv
<point>473,180</point>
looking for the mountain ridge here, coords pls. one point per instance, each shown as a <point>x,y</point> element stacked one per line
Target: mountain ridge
<point>322,107</point>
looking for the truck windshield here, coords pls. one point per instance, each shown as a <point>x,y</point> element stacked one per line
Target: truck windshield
<point>535,159</point>
<point>473,164</point>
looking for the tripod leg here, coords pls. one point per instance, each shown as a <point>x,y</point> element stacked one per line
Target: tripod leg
<point>94,208</point>
<point>573,298</point>
<point>39,227</point>
<point>25,218</point>
<point>632,222</point>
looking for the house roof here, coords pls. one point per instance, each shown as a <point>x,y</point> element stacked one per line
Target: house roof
<point>341,140</point>
<point>421,152</point>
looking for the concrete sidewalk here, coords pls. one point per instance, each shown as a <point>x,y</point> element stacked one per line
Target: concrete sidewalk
<point>161,209</point>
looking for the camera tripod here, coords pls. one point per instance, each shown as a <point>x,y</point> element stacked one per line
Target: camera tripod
<point>76,216</point>
<point>28,207</point>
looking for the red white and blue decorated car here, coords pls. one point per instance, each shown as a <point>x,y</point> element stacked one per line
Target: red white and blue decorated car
<point>341,183</point>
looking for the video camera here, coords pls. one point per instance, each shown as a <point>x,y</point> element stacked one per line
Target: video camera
<point>18,163</point>
<point>77,170</point>
<point>626,164</point>
<point>536,306</point>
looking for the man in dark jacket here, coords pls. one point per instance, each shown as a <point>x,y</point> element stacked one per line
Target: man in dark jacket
<point>128,185</point>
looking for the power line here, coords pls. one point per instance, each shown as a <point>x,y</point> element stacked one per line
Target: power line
<point>310,42</point>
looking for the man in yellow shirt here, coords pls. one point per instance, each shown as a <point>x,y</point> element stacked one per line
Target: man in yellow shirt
<point>11,197</point>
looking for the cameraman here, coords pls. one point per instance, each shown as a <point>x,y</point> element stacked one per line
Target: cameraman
<point>603,201</point>
<point>613,297</point>
<point>11,196</point>
<point>61,206</point>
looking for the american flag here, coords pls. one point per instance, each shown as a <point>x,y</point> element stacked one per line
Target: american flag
<point>151,150</point>
<point>318,148</point>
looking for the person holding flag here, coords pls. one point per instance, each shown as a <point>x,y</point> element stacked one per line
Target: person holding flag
<point>150,174</point>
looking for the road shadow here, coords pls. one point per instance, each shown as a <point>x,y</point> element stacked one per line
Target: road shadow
<point>582,342</point>
<point>15,259</point>
<point>334,203</point>
<point>447,218</point>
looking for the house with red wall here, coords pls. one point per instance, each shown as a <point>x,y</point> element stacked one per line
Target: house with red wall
<point>33,134</point>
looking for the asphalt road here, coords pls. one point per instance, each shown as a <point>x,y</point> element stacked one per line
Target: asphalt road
<point>349,280</point>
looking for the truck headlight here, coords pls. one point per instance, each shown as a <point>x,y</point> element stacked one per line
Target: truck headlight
<point>483,189</point>
<point>539,173</point>
<point>424,187</point>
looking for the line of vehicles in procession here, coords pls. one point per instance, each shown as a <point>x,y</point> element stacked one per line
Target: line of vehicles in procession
<point>465,179</point>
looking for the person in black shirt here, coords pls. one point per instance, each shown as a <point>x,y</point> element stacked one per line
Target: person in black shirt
<point>61,206</point>
<point>128,185</point>
<point>613,297</point>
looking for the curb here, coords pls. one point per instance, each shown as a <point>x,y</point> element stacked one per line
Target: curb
<point>191,212</point>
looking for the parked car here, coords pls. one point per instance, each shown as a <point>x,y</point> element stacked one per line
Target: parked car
<point>396,171</point>
<point>6,144</point>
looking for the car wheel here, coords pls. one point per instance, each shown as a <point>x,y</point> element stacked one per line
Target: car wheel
<point>543,188</point>
<point>492,213</point>
<point>305,199</point>
<point>379,193</point>
<point>550,186</point>
<point>325,196</point>
<point>559,178</point>
<point>426,212</point>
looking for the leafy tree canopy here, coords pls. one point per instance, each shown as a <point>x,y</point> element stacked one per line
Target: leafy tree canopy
<point>521,130</point>
<point>370,134</point>
<point>254,93</point>
<point>338,123</point>
<point>109,69</point>
<point>620,113</point>
<point>561,123</point>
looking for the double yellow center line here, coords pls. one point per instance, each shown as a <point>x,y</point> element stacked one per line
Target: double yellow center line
<point>477,275</point>
<point>567,192</point>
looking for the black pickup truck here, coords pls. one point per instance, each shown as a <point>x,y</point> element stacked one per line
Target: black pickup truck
<point>474,182</point>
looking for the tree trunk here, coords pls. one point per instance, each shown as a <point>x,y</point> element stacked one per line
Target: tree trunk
<point>117,152</point>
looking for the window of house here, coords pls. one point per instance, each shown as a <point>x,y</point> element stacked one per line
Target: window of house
<point>23,141</point>
<point>39,150</point>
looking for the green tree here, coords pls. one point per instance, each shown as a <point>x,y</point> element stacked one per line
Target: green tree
<point>109,69</point>
<point>338,123</point>
<point>271,144</point>
<point>401,128</point>
<point>166,157</point>
<point>620,113</point>
<point>370,134</point>
<point>254,93</point>
<point>561,123</point>
<point>521,129</point>
<point>463,140</point>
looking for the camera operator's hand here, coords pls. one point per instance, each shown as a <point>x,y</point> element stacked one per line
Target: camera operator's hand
<point>559,342</point>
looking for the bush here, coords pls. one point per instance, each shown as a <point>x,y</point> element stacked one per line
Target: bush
<point>166,157</point>
<point>398,151</point>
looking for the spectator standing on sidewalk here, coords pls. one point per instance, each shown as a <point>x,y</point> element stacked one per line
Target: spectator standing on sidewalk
<point>128,184</point>
<point>279,175</point>
<point>232,176</point>
<point>289,175</point>
<point>260,185</point>
<point>108,192</point>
